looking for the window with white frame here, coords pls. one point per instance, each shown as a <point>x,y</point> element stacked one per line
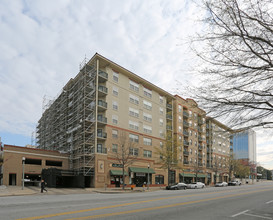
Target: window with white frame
<point>133,138</point>
<point>147,153</point>
<point>133,125</point>
<point>115,105</point>
<point>115,133</point>
<point>161,144</point>
<point>161,122</point>
<point>134,86</point>
<point>190,113</point>
<point>190,123</point>
<point>147,105</point>
<point>180,128</point>
<point>161,99</point>
<point>161,111</point>
<point>147,92</point>
<point>114,148</point>
<point>180,138</point>
<point>179,118</point>
<point>133,112</point>
<point>133,151</point>
<point>161,133</point>
<point>147,117</point>
<point>179,108</point>
<point>147,141</point>
<point>147,129</point>
<point>115,76</point>
<point>115,119</point>
<point>115,91</point>
<point>133,99</point>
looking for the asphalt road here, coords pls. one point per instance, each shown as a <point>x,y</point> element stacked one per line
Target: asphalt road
<point>233,202</point>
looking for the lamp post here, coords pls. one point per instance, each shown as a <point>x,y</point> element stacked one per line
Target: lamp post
<point>23,173</point>
<point>148,182</point>
<point>183,175</point>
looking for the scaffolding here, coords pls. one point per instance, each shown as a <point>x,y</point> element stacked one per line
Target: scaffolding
<point>70,123</point>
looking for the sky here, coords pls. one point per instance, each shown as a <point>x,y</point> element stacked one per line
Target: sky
<point>42,43</point>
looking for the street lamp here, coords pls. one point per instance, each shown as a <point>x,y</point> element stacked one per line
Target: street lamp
<point>148,182</point>
<point>183,175</point>
<point>23,174</point>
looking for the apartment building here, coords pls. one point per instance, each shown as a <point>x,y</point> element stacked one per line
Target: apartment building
<point>101,111</point>
<point>190,130</point>
<point>218,150</point>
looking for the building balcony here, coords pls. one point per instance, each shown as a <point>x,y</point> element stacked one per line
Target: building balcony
<point>186,153</point>
<point>103,90</point>
<point>185,114</point>
<point>185,133</point>
<point>101,119</point>
<point>200,156</point>
<point>169,127</point>
<point>103,76</point>
<point>185,162</point>
<point>102,135</point>
<point>102,105</point>
<point>200,147</point>
<point>102,150</point>
<point>185,124</point>
<point>169,106</point>
<point>186,143</point>
<point>200,164</point>
<point>200,121</point>
<point>169,117</point>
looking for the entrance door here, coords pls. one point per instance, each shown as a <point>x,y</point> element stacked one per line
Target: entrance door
<point>172,176</point>
<point>12,179</point>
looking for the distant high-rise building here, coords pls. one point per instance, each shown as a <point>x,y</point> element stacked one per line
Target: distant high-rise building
<point>244,145</point>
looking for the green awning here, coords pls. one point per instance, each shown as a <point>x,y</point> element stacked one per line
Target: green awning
<point>193,175</point>
<point>141,170</point>
<point>117,173</point>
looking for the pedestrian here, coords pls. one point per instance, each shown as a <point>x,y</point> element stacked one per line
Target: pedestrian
<point>43,184</point>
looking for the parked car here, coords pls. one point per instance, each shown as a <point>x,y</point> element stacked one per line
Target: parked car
<point>235,183</point>
<point>196,185</point>
<point>221,184</point>
<point>177,186</point>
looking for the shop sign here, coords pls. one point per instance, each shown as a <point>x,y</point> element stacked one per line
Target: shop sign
<point>140,174</point>
<point>117,165</point>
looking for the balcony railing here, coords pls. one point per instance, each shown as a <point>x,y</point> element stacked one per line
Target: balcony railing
<point>186,133</point>
<point>185,124</point>
<point>186,153</point>
<point>185,114</point>
<point>102,119</point>
<point>103,89</point>
<point>102,150</point>
<point>103,74</point>
<point>169,106</point>
<point>169,117</point>
<point>186,143</point>
<point>102,103</point>
<point>186,162</point>
<point>102,135</point>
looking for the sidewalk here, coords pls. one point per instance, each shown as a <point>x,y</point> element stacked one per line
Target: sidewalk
<point>32,190</point>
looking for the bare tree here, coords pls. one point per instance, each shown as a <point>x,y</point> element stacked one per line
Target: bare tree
<point>168,154</point>
<point>237,62</point>
<point>125,154</point>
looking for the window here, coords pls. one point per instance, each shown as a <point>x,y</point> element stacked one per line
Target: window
<point>180,128</point>
<point>147,105</point>
<point>147,153</point>
<point>100,149</point>
<point>115,119</point>
<point>115,76</point>
<point>190,113</point>
<point>133,151</point>
<point>115,105</point>
<point>33,161</point>
<point>134,99</point>
<point>190,142</point>
<point>161,110</point>
<point>179,108</point>
<point>147,141</point>
<point>134,86</point>
<point>161,99</point>
<point>133,125</point>
<point>179,119</point>
<point>161,122</point>
<point>180,138</point>
<point>161,133</point>
<point>147,129</point>
<point>54,163</point>
<point>147,92</point>
<point>114,148</point>
<point>114,133</point>
<point>161,144</point>
<point>115,91</point>
<point>133,138</point>
<point>133,112</point>
<point>195,116</point>
<point>147,117</point>
<point>159,179</point>
<point>190,123</point>
<point>190,132</point>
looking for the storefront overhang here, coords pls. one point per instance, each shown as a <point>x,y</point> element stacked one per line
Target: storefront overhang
<point>141,170</point>
<point>117,173</point>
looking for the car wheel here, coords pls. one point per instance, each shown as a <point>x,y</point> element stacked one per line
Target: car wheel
<point>202,187</point>
<point>185,187</point>
<point>195,187</point>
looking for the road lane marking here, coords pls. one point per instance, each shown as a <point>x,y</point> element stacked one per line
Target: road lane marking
<point>128,204</point>
<point>162,207</point>
<point>258,216</point>
<point>240,213</point>
<point>269,202</point>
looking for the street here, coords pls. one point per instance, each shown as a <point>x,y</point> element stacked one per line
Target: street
<point>233,202</point>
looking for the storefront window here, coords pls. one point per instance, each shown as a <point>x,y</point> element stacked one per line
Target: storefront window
<point>159,179</point>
